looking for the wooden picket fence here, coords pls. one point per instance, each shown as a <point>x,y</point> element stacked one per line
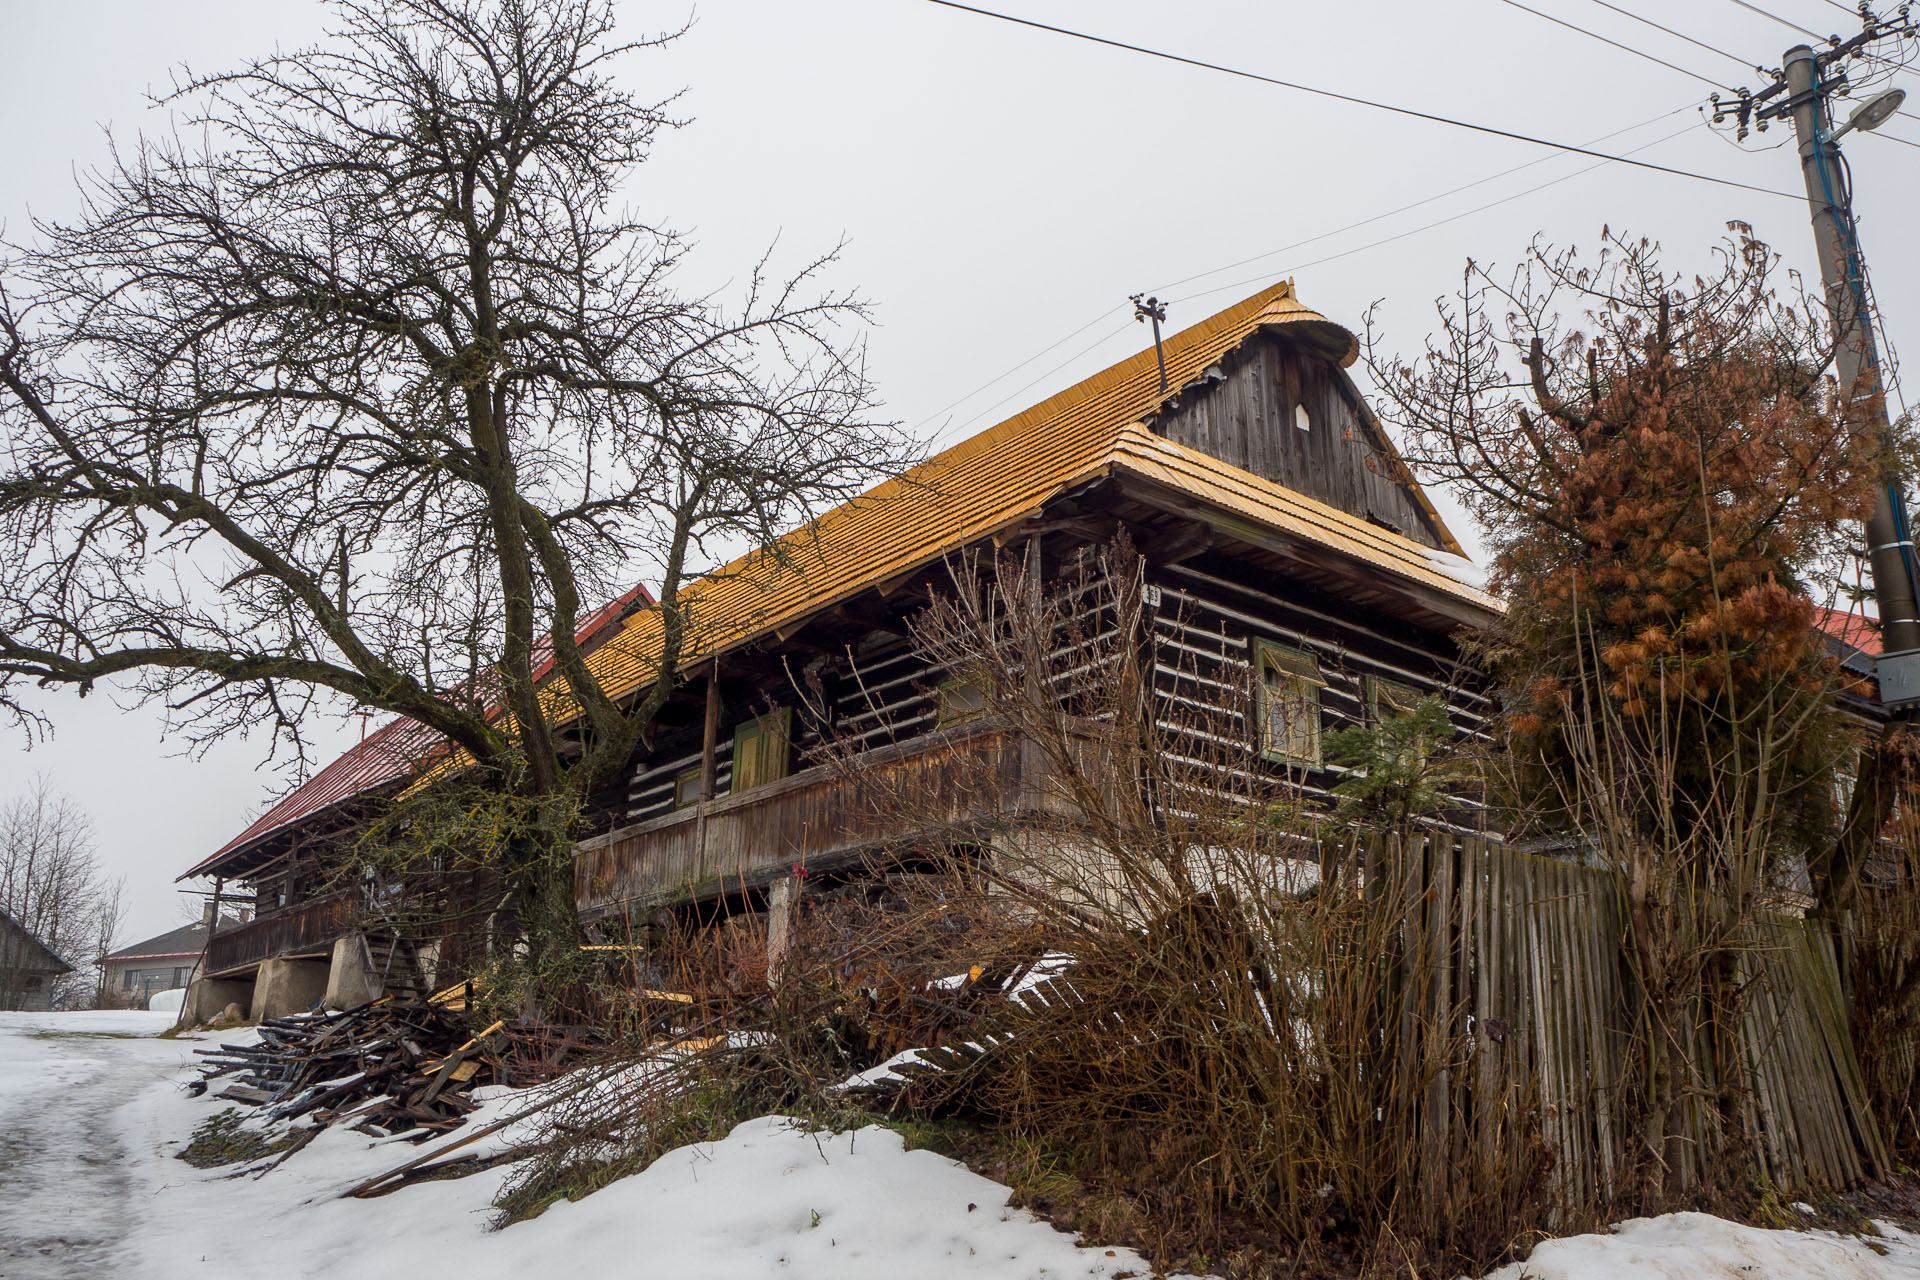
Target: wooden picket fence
<point>1524,954</point>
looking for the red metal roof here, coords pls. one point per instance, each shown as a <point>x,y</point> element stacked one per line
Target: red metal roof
<point>394,749</point>
<point>1853,628</point>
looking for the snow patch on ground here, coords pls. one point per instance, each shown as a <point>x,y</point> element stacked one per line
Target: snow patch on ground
<point>770,1199</point>
<point>1696,1246</point>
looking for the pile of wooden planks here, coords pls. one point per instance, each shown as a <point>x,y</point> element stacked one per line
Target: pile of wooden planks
<point>389,1067</point>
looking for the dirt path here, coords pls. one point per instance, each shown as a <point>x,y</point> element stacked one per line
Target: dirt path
<point>65,1191</point>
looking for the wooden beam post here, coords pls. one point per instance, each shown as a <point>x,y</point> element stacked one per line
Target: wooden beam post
<point>783,896</point>
<point>710,744</point>
<point>709,763</point>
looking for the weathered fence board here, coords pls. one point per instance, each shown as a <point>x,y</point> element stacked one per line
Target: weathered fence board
<point>1529,954</point>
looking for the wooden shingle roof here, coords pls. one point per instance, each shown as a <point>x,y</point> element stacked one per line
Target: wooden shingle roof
<point>1005,474</point>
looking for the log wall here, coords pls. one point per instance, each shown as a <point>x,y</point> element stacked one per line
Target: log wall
<point>1213,609</point>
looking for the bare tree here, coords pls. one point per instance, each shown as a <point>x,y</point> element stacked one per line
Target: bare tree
<point>372,383</point>
<point>53,887</point>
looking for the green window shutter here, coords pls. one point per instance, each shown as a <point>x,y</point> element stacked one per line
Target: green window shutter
<point>761,748</point>
<point>1287,684</point>
<point>1387,699</point>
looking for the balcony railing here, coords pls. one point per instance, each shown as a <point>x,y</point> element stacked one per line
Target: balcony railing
<point>970,778</point>
<point>306,929</point>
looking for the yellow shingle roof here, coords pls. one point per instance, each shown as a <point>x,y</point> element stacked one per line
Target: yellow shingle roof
<point>998,477</point>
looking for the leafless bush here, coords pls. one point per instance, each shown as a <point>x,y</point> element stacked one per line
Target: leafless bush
<point>704,1040</point>
<point>1220,1007</point>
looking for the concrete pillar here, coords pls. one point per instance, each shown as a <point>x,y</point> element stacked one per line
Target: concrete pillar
<point>427,956</point>
<point>351,981</point>
<point>285,986</point>
<point>207,998</point>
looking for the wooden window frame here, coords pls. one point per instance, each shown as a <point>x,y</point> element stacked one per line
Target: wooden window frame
<point>680,780</point>
<point>1401,698</point>
<point>1301,671</point>
<point>773,762</point>
<point>947,714</point>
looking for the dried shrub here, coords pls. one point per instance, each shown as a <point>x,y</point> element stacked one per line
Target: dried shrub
<point>1221,1011</point>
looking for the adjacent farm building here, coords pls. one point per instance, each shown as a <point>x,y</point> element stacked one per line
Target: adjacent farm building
<point>28,969</point>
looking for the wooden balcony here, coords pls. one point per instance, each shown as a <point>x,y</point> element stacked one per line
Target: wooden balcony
<point>966,780</point>
<point>307,929</point>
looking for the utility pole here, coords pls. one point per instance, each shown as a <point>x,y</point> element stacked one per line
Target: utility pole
<point>1155,310</point>
<point>1806,80</point>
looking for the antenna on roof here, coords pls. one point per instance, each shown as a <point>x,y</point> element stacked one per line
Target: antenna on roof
<point>1155,310</point>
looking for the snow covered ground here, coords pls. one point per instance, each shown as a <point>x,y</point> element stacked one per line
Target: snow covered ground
<point>92,1112</point>
<point>1694,1246</point>
<point>101,1194</point>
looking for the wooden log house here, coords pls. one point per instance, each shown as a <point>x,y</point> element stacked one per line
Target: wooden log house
<point>1283,541</point>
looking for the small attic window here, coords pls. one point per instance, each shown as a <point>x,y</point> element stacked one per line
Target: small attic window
<point>1300,418</point>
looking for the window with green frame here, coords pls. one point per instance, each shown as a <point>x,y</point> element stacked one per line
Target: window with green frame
<point>686,788</point>
<point>761,747</point>
<point>961,701</point>
<point>1287,685</point>
<point>1390,699</point>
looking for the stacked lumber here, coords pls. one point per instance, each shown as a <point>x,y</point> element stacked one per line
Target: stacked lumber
<point>390,1067</point>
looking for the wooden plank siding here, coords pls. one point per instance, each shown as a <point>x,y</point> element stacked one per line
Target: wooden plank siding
<point>307,929</point>
<point>1248,417</point>
<point>882,693</point>
<point>972,778</point>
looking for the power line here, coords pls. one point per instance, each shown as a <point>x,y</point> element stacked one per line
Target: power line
<point>1124,325</point>
<point>1052,346</point>
<point>1638,53</point>
<point>1754,8</point>
<point>1024,387</point>
<point>1438,222</point>
<point>1414,204</point>
<point>1243,262</point>
<point>1356,101</point>
<point>1701,44</point>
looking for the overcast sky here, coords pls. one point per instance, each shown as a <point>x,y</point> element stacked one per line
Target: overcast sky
<point>1001,188</point>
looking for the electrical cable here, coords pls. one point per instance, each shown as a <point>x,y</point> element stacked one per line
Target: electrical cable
<point>1024,387</point>
<point>1754,8</point>
<point>1638,53</point>
<point>1052,346</point>
<point>1353,100</point>
<point>1628,13</point>
<point>1414,204</point>
<point>1438,222</point>
<point>1351,226</point>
